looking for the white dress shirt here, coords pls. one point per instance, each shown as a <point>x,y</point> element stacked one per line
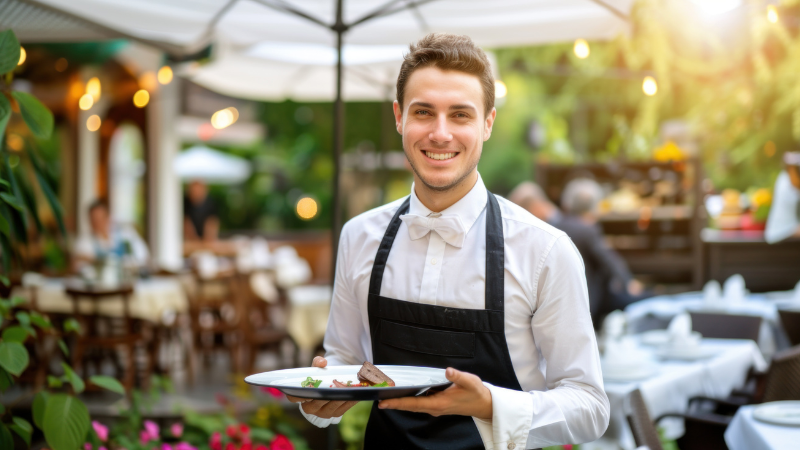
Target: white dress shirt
<point>547,324</point>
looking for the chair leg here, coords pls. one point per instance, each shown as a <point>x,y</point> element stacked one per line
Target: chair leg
<point>131,367</point>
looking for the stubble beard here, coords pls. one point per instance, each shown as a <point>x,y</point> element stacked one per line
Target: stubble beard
<point>459,179</point>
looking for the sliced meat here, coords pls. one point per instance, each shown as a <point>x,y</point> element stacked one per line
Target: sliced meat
<point>372,375</point>
<point>339,384</point>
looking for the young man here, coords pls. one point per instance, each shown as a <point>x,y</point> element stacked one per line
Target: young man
<point>454,277</point>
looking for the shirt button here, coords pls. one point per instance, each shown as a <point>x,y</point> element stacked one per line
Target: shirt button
<point>512,446</point>
<point>433,261</point>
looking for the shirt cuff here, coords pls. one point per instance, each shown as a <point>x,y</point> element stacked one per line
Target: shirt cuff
<point>512,413</point>
<point>319,421</point>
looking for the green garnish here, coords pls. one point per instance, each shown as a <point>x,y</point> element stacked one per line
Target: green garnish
<point>384,384</point>
<point>310,382</point>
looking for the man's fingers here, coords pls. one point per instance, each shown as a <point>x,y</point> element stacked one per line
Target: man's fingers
<point>463,379</point>
<point>298,399</point>
<point>431,405</point>
<point>313,407</point>
<point>319,361</point>
<point>343,408</point>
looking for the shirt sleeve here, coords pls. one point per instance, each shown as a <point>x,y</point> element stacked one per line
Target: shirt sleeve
<point>343,337</point>
<point>784,214</point>
<point>574,408</point>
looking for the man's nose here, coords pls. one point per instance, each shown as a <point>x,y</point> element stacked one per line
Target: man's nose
<point>440,132</point>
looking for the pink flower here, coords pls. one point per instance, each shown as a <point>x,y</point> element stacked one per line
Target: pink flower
<point>144,437</point>
<point>281,442</point>
<point>184,446</point>
<point>176,429</point>
<point>567,447</point>
<point>272,391</point>
<point>101,430</point>
<point>166,447</point>
<point>152,429</point>
<point>216,441</point>
<point>244,429</point>
<point>261,447</point>
<point>87,446</point>
<point>102,448</point>
<point>230,446</point>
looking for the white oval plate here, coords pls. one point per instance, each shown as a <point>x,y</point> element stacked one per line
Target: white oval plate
<point>779,413</point>
<point>410,381</point>
<point>686,353</point>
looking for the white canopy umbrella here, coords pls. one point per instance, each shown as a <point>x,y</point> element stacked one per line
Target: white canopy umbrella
<point>212,166</point>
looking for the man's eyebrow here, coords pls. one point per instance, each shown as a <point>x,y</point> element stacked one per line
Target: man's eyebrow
<point>422,104</point>
<point>462,107</point>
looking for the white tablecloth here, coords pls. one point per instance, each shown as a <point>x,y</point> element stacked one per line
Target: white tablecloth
<point>747,433</point>
<point>676,382</point>
<point>152,298</point>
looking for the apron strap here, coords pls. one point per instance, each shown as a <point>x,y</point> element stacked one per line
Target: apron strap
<point>386,246</point>
<point>495,255</point>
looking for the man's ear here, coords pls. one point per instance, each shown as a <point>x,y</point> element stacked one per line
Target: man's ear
<point>488,124</point>
<point>398,116</point>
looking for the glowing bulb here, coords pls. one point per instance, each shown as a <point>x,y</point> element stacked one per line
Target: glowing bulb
<point>581,48</point>
<point>86,102</point>
<point>165,75</point>
<point>148,81</point>
<point>235,113</point>
<point>500,89</point>
<point>93,88</point>
<point>141,98</point>
<point>649,86</point>
<point>307,208</point>
<point>772,14</point>
<point>222,119</point>
<point>93,123</point>
<point>16,142</point>
<point>23,55</point>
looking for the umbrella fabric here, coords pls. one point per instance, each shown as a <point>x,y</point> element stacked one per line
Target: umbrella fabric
<point>212,166</point>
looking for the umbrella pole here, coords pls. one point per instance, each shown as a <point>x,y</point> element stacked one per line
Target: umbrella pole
<point>338,138</point>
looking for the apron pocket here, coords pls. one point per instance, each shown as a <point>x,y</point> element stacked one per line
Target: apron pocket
<point>425,340</point>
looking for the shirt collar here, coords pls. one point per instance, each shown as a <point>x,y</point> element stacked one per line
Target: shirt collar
<point>468,208</point>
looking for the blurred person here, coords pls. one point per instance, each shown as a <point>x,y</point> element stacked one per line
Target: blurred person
<point>531,197</point>
<point>784,214</point>
<point>107,239</point>
<point>611,285</point>
<point>200,219</point>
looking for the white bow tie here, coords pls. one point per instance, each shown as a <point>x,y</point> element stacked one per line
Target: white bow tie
<point>449,227</point>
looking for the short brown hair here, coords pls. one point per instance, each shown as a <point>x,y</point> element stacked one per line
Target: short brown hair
<point>448,52</point>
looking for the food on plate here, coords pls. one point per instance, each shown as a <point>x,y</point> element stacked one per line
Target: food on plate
<point>373,376</point>
<point>310,382</point>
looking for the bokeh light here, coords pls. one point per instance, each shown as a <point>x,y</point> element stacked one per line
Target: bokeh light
<point>86,102</point>
<point>141,98</point>
<point>772,14</point>
<point>23,55</point>
<point>307,208</point>
<point>15,142</point>
<point>223,118</point>
<point>581,48</point>
<point>93,123</point>
<point>649,86</point>
<point>93,88</point>
<point>500,89</point>
<point>148,81</point>
<point>165,75</point>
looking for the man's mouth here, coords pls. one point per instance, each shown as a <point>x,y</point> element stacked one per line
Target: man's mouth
<point>440,156</point>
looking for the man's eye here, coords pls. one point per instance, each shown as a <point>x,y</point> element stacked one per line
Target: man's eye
<point>422,111</point>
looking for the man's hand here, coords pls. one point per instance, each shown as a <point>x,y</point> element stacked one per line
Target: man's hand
<point>466,397</point>
<point>322,408</point>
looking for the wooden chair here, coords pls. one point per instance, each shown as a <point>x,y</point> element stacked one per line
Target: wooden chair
<point>108,334</point>
<point>215,312</point>
<point>642,426</point>
<point>726,326</point>
<point>790,319</point>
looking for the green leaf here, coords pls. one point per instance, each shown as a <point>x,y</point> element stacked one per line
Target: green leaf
<point>41,321</point>
<point>5,228</point>
<point>6,253</point>
<point>5,115</point>
<point>2,409</point>
<point>29,199</point>
<point>15,334</point>
<point>12,201</point>
<point>30,330</point>
<point>54,382</point>
<point>23,428</point>
<point>38,408</point>
<point>77,383</point>
<point>19,220</point>
<point>66,422</point>
<point>5,380</point>
<point>13,357</point>
<point>6,439</point>
<point>52,198</point>
<point>38,118</point>
<point>16,301</point>
<point>63,346</point>
<point>109,383</point>
<point>4,183</point>
<point>3,279</point>
<point>9,51</point>
<point>23,318</point>
<point>72,326</point>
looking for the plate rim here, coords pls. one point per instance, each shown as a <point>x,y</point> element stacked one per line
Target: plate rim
<point>356,389</point>
<point>770,421</point>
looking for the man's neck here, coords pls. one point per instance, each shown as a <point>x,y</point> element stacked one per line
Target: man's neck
<point>438,201</point>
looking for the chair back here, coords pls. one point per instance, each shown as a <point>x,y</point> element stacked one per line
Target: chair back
<point>782,381</point>
<point>790,319</point>
<point>726,326</point>
<point>642,427</point>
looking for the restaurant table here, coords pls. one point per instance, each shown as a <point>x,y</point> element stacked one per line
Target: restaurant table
<point>675,382</point>
<point>310,307</point>
<point>152,298</point>
<point>746,433</point>
<point>764,305</point>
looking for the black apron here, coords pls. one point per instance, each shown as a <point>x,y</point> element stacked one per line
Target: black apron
<point>406,333</point>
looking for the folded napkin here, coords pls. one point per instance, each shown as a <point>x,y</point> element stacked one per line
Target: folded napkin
<point>712,294</point>
<point>733,291</point>
<point>614,325</point>
<point>680,331</point>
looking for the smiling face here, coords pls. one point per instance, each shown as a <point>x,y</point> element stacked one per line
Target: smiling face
<point>443,124</point>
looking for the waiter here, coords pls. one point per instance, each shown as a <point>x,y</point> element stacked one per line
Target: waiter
<point>454,277</point>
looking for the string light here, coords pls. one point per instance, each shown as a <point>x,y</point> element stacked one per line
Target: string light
<point>772,14</point>
<point>23,55</point>
<point>93,88</point>
<point>93,123</point>
<point>224,118</point>
<point>165,75</point>
<point>86,102</point>
<point>148,81</point>
<point>307,208</point>
<point>581,48</point>
<point>500,89</point>
<point>649,86</point>
<point>141,98</point>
